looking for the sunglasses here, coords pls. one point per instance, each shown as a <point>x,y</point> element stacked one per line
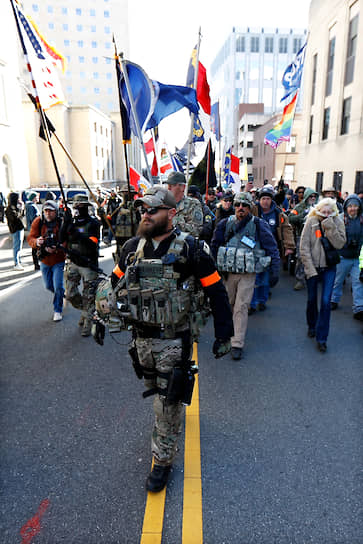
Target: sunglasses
<point>238,204</point>
<point>152,211</point>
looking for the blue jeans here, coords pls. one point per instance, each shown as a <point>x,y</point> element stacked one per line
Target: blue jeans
<point>18,238</point>
<point>53,281</point>
<point>345,267</point>
<point>262,288</point>
<point>319,320</point>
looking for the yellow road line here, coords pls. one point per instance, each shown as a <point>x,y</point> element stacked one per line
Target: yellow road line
<point>192,532</point>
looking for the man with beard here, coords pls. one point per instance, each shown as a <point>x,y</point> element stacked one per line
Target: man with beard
<point>159,285</point>
<point>81,233</point>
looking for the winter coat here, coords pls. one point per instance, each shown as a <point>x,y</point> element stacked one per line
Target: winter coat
<point>14,212</point>
<point>40,228</point>
<point>311,249</point>
<point>353,229</point>
<point>298,215</point>
<point>281,229</point>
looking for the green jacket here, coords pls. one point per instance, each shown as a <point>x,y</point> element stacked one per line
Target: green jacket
<point>298,215</point>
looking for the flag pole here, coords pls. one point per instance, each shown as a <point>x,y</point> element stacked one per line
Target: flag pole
<point>117,62</point>
<point>207,176</point>
<point>133,109</point>
<point>38,105</point>
<point>193,115</point>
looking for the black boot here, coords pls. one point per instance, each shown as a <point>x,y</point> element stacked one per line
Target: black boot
<point>156,481</point>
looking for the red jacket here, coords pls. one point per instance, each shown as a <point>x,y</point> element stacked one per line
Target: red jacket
<point>35,231</point>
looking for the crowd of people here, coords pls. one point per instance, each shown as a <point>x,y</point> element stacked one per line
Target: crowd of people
<point>181,256</point>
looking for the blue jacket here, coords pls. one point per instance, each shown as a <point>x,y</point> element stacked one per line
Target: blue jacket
<point>263,235</point>
<point>353,229</point>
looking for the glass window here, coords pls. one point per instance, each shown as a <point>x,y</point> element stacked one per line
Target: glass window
<point>109,90</point>
<point>255,44</point>
<point>79,28</point>
<point>80,43</point>
<point>68,57</point>
<point>240,44</point>
<point>64,11</point>
<point>66,43</point>
<point>347,104</point>
<point>291,145</point>
<point>107,45</point>
<point>94,60</point>
<point>69,88</point>
<point>81,59</point>
<point>92,12</point>
<point>269,44</point>
<point>82,75</point>
<point>106,13</point>
<point>78,11</point>
<point>51,26</point>
<point>326,121</point>
<point>93,28</point>
<point>109,75</point>
<point>319,182</point>
<point>83,90</point>
<point>313,85</point>
<point>289,172</point>
<point>329,72</point>
<point>50,9</point>
<point>65,26</point>
<point>282,45</point>
<point>337,181</point>
<point>97,90</point>
<point>95,129</point>
<point>97,105</point>
<point>351,50</point>
<point>311,129</point>
<point>68,73</point>
<point>35,7</point>
<point>297,45</point>
<point>95,75</point>
<point>108,61</point>
<point>107,30</point>
<point>358,185</point>
<point>94,44</point>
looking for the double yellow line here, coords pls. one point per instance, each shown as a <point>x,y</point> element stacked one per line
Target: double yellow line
<point>192,530</point>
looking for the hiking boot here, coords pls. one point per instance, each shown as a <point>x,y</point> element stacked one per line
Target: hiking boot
<point>311,333</point>
<point>358,315</point>
<point>251,311</point>
<point>156,481</point>
<point>261,307</point>
<point>81,321</point>
<point>86,329</point>
<point>57,316</point>
<point>298,286</point>
<point>333,305</point>
<point>236,353</point>
<point>322,347</point>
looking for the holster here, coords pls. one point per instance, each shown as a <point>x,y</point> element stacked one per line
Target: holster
<point>139,371</point>
<point>181,384</point>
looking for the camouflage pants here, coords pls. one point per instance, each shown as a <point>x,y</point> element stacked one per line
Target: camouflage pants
<point>299,267</point>
<point>73,276</point>
<point>162,355</point>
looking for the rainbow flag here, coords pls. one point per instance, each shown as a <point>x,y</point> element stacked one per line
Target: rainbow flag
<point>282,131</point>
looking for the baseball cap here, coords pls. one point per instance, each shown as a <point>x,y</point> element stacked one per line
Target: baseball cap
<point>156,197</point>
<point>50,205</point>
<point>174,178</point>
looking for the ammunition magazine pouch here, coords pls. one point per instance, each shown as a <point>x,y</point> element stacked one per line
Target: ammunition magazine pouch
<point>240,260</point>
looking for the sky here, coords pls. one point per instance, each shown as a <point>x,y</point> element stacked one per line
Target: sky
<point>163,34</point>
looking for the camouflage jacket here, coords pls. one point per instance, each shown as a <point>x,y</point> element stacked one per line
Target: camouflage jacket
<point>189,216</point>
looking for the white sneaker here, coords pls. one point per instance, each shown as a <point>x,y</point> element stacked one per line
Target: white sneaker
<point>18,267</point>
<point>57,316</point>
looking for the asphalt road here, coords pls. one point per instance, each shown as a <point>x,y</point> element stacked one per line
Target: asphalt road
<point>281,431</point>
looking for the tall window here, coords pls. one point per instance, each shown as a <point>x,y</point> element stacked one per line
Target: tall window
<point>358,186</point>
<point>326,122</point>
<point>337,181</point>
<point>351,50</point>
<point>269,44</point>
<point>283,45</point>
<point>297,45</point>
<point>255,44</point>
<point>313,84</point>
<point>289,172</point>
<point>311,128</point>
<point>319,182</point>
<point>291,145</point>
<point>329,72</point>
<point>347,103</point>
<point>240,44</point>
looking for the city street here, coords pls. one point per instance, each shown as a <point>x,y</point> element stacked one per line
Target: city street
<point>280,431</point>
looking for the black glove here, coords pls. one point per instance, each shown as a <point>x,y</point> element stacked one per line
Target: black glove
<point>361,276</point>
<point>98,331</point>
<point>221,347</point>
<point>273,281</point>
<point>67,215</point>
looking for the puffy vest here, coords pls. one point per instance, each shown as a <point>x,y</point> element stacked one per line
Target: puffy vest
<point>242,253</point>
<point>152,295</point>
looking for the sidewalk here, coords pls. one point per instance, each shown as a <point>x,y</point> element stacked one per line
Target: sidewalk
<point>9,276</point>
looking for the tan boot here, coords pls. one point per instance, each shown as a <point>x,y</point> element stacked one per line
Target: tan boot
<point>81,321</point>
<point>86,329</point>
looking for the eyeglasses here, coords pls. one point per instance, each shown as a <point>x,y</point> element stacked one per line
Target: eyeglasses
<point>243,204</point>
<point>152,211</point>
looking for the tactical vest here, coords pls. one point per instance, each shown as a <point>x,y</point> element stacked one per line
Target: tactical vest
<point>123,227</point>
<point>236,256</point>
<point>151,294</point>
<point>76,244</point>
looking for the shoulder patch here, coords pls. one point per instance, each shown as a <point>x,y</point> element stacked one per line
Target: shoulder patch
<point>206,248</point>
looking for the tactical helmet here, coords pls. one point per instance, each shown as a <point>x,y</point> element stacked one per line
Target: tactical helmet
<point>105,300</point>
<point>245,197</point>
<point>80,199</point>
